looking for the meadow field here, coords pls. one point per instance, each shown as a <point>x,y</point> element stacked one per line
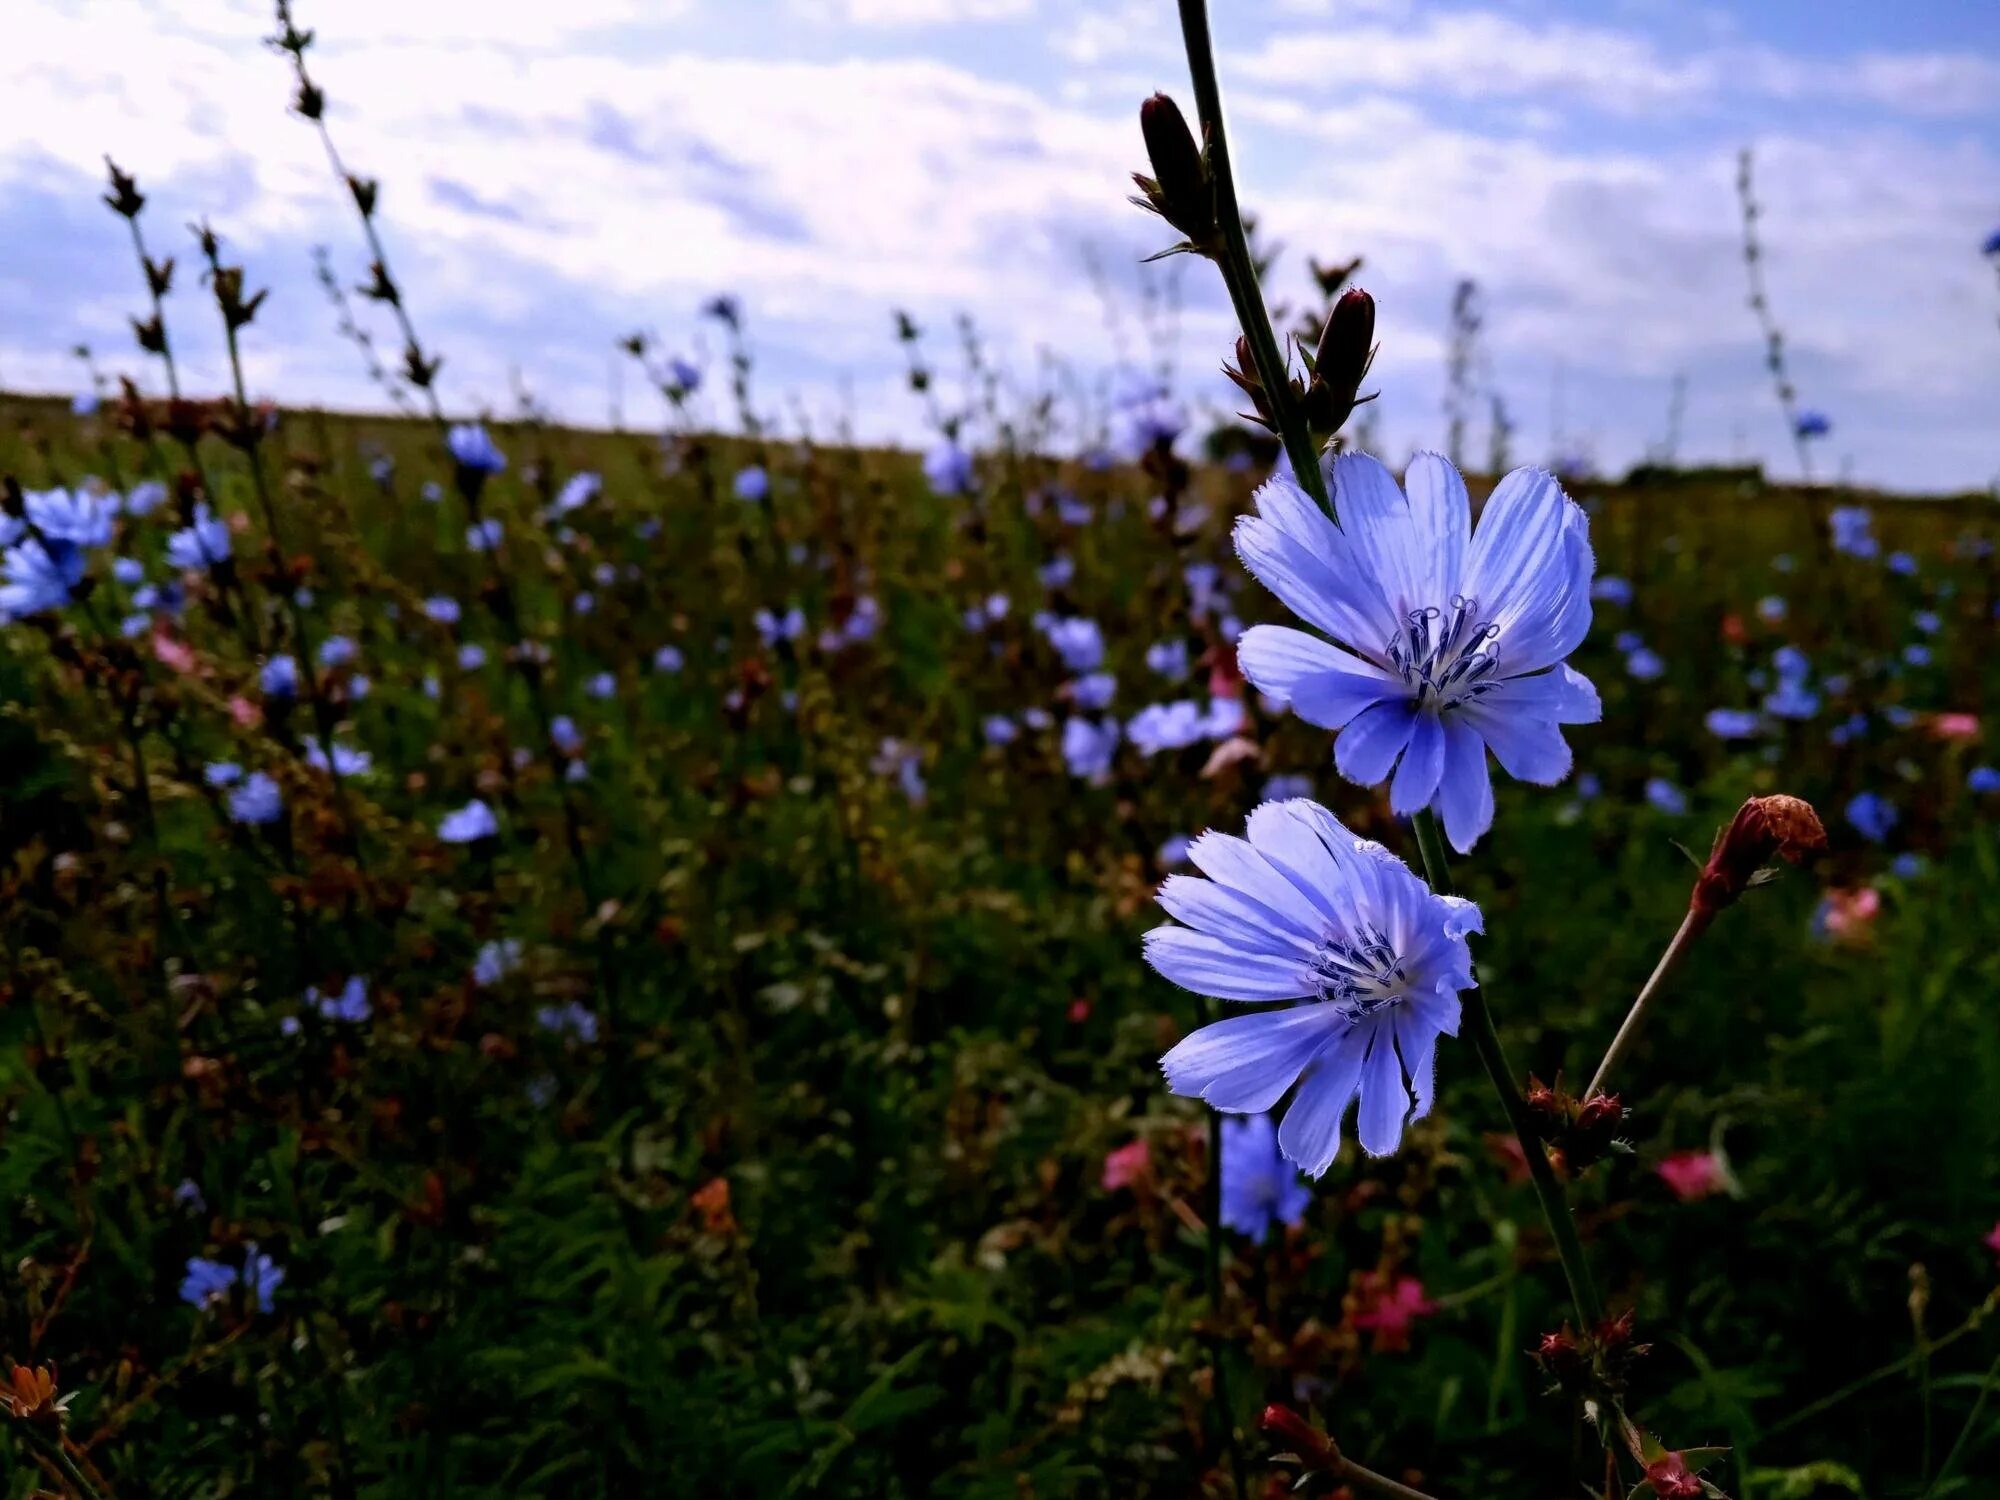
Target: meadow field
<point>544,961</point>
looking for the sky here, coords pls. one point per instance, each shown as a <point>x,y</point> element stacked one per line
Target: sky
<point>557,176</point>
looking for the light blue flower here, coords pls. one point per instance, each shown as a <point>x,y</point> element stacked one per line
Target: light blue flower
<point>256,800</point>
<point>442,609</point>
<point>1731,723</point>
<point>1174,851</point>
<point>472,449</point>
<point>602,686</point>
<point>1645,664</point>
<point>1611,589</point>
<point>279,678</point>
<point>145,497</point>
<point>1928,621</point>
<point>1812,424</point>
<point>495,960</point>
<point>484,536</point>
<point>206,1282</point>
<point>571,1020</point>
<point>998,729</point>
<point>1772,609</point>
<point>1167,726</point>
<point>1304,910</point>
<point>200,545</point>
<point>1791,699</point>
<point>349,1003</point>
<point>948,469</point>
<point>75,516</point>
<point>345,760</point>
<point>1077,641</point>
<point>261,1275</point>
<point>188,1196</point>
<point>564,735</point>
<point>1204,586</point>
<point>1452,643</point>
<point>469,823</point>
<point>336,651</point>
<point>668,659</point>
<point>1907,866</point>
<point>1983,780</point>
<point>1852,528</point>
<point>1291,787</point>
<point>128,570</point>
<point>773,628</point>
<point>1057,572</point>
<point>1088,746</point>
<point>577,491</point>
<point>471,657</point>
<point>1093,691</point>
<point>34,578</point>
<point>1902,564</point>
<point>1917,655</point>
<point>1666,797</point>
<point>1871,815</point>
<point>751,484</point>
<point>1259,1187</point>
<point>1168,658</point>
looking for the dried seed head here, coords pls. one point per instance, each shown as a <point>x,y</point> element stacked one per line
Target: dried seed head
<point>1764,829</point>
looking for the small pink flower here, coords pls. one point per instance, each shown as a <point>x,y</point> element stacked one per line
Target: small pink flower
<point>1992,1241</point>
<point>177,655</point>
<point>1388,1311</point>
<point>246,714</point>
<point>1127,1166</point>
<point>1845,916</point>
<point>1693,1174</point>
<point>1955,726</point>
<point>1079,1010</point>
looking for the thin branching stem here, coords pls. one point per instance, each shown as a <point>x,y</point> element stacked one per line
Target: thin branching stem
<point>1691,927</point>
<point>1239,268</point>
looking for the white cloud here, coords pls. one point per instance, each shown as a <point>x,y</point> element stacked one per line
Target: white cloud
<point>912,12</point>
<point>541,198</point>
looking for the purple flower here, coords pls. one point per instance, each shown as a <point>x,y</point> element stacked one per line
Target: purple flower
<point>1611,589</point>
<point>1812,424</point>
<point>751,484</point>
<point>496,959</point>
<point>572,1020</point>
<point>75,516</point>
<point>1666,797</point>
<point>1983,780</point>
<point>1853,530</point>
<point>350,1004</point>
<point>1093,691</point>
<point>1453,643</point>
<point>1259,1187</point>
<point>1872,816</point>
<point>999,729</point>
<point>256,800</point>
<point>668,659</point>
<point>1304,910</point>
<point>1088,746</point>
<point>948,469</point>
<point>1168,658</point>
<point>473,450</point>
<point>34,578</point>
<point>1077,641</point>
<point>469,823</point>
<point>1731,723</point>
<point>577,491</point>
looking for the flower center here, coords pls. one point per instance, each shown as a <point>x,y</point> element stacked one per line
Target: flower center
<point>1446,658</point>
<point>1361,977</point>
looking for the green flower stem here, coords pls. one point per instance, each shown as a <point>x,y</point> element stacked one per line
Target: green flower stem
<point>1232,257</point>
<point>1486,1041</point>
<point>1691,927</point>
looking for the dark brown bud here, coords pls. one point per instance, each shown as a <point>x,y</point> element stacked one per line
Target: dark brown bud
<point>1562,1354</point>
<point>365,190</point>
<point>124,197</point>
<point>1764,829</point>
<point>1330,279</point>
<point>1340,363</point>
<point>420,371</point>
<point>159,275</point>
<point>1594,1128</point>
<point>151,334</point>
<point>309,101</point>
<point>1548,1106</point>
<point>1179,190</point>
<point>379,287</point>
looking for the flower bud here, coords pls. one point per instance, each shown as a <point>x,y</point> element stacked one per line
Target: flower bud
<point>1313,1446</point>
<point>1562,1354</point>
<point>1340,362</point>
<point>1764,828</point>
<point>1179,190</point>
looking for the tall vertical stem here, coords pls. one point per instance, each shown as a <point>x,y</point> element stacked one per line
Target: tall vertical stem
<point>1486,1042</point>
<point>1239,271</point>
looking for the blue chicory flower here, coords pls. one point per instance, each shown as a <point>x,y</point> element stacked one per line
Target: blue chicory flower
<point>1259,1187</point>
<point>1301,909</point>
<point>1451,643</point>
